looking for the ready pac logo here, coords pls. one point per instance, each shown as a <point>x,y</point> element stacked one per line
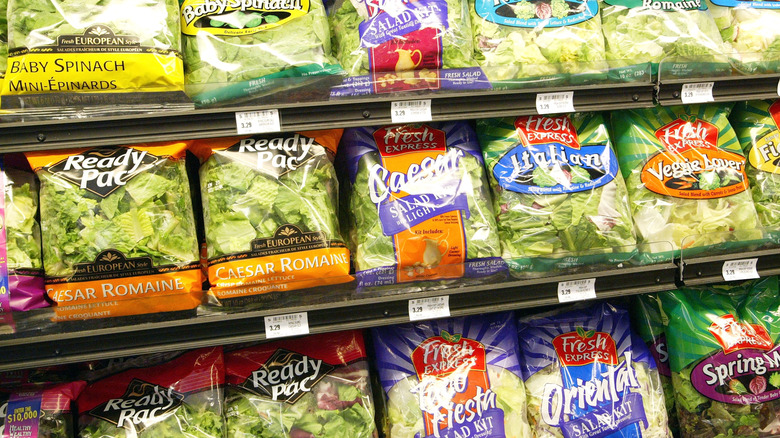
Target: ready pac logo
<point>396,140</point>
<point>286,376</point>
<point>445,354</point>
<point>688,133</point>
<point>733,335</point>
<point>585,347</point>
<point>142,405</point>
<point>541,130</point>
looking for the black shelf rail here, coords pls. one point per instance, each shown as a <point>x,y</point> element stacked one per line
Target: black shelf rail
<point>698,271</point>
<point>725,89</point>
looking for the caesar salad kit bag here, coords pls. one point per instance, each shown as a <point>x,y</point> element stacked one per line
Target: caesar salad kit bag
<point>686,179</point>
<point>38,410</point>
<point>270,207</point>
<point>118,230</point>
<point>316,386</point>
<point>452,377</point>
<point>558,198</point>
<point>69,53</point>
<point>583,365</point>
<point>750,32</point>
<point>418,203</point>
<point>182,397</point>
<point>235,50</point>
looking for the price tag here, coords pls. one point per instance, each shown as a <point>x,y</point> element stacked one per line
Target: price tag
<point>282,326</point>
<point>258,122</point>
<point>555,103</point>
<point>700,92</point>
<point>429,308</point>
<point>410,111</point>
<point>744,269</point>
<point>576,290</point>
<point>778,88</point>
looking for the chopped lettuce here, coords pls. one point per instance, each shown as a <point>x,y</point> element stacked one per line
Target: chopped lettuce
<point>187,421</point>
<point>750,34</point>
<point>23,246</point>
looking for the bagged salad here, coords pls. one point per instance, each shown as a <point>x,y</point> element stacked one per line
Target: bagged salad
<point>558,198</point>
<point>686,178</point>
<point>240,50</point>
<point>270,206</point>
<point>38,410</point>
<point>69,53</point>
<point>750,31</point>
<point>182,397</point>
<point>118,230</point>
<point>587,374</point>
<point>312,387</point>
<point>419,204</point>
<point>452,377</point>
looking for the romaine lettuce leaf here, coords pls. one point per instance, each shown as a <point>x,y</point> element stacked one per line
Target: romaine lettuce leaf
<point>23,245</point>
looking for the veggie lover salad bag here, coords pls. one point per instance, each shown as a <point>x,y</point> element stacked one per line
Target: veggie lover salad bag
<point>557,194</point>
<point>586,375</point>
<point>181,397</point>
<point>749,29</point>
<point>38,410</point>
<point>241,49</point>
<point>686,178</point>
<point>457,377</point>
<point>118,230</point>
<point>316,386</point>
<point>270,206</point>
<point>75,52</point>
<point>419,204</point>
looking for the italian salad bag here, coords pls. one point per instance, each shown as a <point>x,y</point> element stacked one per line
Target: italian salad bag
<point>452,377</point>
<point>316,386</point>
<point>71,53</point>
<point>419,204</point>
<point>686,179</point>
<point>558,198</point>
<point>583,365</point>
<point>118,230</point>
<point>38,410</point>
<point>270,207</point>
<point>182,397</point>
<point>749,29</point>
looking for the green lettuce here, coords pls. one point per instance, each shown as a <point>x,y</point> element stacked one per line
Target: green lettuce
<point>751,35</point>
<point>3,37</point>
<point>23,234</point>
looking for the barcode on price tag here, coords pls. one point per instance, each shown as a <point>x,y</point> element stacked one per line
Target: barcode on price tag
<point>291,324</point>
<point>744,269</point>
<point>576,290</point>
<point>429,308</point>
<point>555,103</point>
<point>258,122</point>
<point>410,111</point>
<point>700,92</point>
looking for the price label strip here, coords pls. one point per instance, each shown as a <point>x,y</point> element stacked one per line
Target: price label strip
<point>429,308</point>
<point>744,269</point>
<point>258,122</point>
<point>576,290</point>
<point>778,88</point>
<point>555,103</point>
<point>700,92</point>
<point>282,326</point>
<point>411,111</point>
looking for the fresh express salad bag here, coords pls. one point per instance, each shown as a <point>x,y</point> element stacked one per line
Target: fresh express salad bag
<point>38,410</point>
<point>750,33</point>
<point>558,197</point>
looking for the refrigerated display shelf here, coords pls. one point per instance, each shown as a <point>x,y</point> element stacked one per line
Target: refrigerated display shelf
<point>724,89</point>
<point>698,271</point>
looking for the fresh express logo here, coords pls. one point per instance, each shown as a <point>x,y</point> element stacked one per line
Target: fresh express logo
<point>204,8</point>
<point>280,153</point>
<point>445,354</point>
<point>142,405</point>
<point>733,335</point>
<point>286,376</point>
<point>541,130</point>
<point>396,140</point>
<point>585,347</point>
<point>682,135</point>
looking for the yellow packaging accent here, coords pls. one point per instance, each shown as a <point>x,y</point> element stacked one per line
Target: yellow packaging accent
<point>245,18</point>
<point>765,155</point>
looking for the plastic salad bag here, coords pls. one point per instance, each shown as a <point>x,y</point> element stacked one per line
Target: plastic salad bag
<point>38,410</point>
<point>179,398</point>
<point>725,360</point>
<point>3,39</point>
<point>270,206</point>
<point>69,53</point>
<point>316,386</point>
<point>235,50</point>
<point>419,204</point>
<point>686,178</point>
<point>118,230</point>
<point>750,31</point>
<point>557,194</point>
<point>586,374</point>
<point>450,377</point>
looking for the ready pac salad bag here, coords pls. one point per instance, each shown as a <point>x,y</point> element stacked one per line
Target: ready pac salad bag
<point>452,377</point>
<point>182,397</point>
<point>686,178</point>
<point>38,410</point>
<point>587,375</point>
<point>750,31</point>
<point>419,204</point>
<point>118,230</point>
<point>558,198</point>
<point>316,386</point>
<point>70,53</point>
<point>270,207</point>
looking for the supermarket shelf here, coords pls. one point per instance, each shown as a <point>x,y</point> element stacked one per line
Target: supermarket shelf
<point>709,269</point>
<point>350,311</point>
<point>352,112</point>
<point>725,89</point>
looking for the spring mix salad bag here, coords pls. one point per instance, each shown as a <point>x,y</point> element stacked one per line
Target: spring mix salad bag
<point>558,197</point>
<point>452,377</point>
<point>587,374</point>
<point>750,32</point>
<point>38,410</point>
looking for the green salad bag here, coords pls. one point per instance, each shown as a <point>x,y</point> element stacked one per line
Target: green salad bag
<point>750,32</point>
